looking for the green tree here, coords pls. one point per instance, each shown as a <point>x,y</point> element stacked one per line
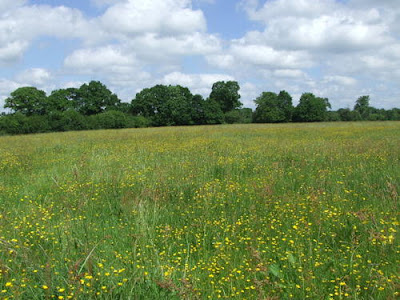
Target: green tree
<point>239,116</point>
<point>267,110</point>
<point>63,99</point>
<point>333,116</point>
<point>393,114</point>
<point>124,107</point>
<point>273,108</point>
<point>109,120</point>
<point>376,114</point>
<point>226,94</point>
<point>198,110</point>
<point>164,105</point>
<point>148,101</point>
<point>212,112</point>
<point>285,105</point>
<point>346,114</point>
<point>94,98</point>
<point>311,109</point>
<point>28,101</point>
<point>233,116</point>
<point>73,120</point>
<point>362,107</point>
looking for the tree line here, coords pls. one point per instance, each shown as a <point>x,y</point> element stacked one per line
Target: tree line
<point>94,106</point>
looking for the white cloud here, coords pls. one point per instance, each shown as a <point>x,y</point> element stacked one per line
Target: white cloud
<point>261,55</point>
<point>324,25</point>
<point>20,25</point>
<point>72,84</point>
<point>288,73</point>
<point>99,59</point>
<point>389,4</point>
<point>281,8</point>
<point>133,17</point>
<point>12,51</point>
<point>102,3</point>
<point>112,63</point>
<point>343,80</point>
<point>35,77</point>
<point>153,47</point>
<point>249,92</point>
<point>332,48</point>
<point>7,5</point>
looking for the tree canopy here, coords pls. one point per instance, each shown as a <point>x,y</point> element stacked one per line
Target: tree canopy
<point>94,98</point>
<point>94,106</point>
<point>362,107</point>
<point>28,101</point>
<point>311,108</point>
<point>164,105</point>
<point>273,108</point>
<point>63,99</point>
<point>226,94</point>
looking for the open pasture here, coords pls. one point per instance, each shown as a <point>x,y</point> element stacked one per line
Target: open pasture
<point>236,212</point>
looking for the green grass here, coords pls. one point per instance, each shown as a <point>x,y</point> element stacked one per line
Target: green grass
<point>242,211</point>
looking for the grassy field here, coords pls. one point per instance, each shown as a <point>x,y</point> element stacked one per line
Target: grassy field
<point>236,212</point>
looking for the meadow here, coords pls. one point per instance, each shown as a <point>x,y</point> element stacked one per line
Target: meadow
<point>291,211</point>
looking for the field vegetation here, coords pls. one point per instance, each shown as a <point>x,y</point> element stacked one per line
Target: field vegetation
<point>233,211</point>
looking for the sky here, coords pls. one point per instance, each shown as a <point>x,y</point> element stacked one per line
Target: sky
<point>340,50</point>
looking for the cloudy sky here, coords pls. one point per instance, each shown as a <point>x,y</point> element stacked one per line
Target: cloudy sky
<point>335,49</point>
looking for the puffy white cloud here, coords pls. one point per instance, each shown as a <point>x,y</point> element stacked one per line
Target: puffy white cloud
<point>250,59</point>
<point>326,33</point>
<point>152,47</point>
<point>249,92</point>
<point>261,55</point>
<point>134,17</point>
<point>282,8</point>
<point>223,61</point>
<point>34,76</point>
<point>388,4</point>
<point>342,80</point>
<point>12,51</point>
<point>91,60</point>
<point>112,63</point>
<point>324,25</point>
<point>102,3</point>
<point>7,5</point>
<point>72,84</point>
<point>332,48</point>
<point>21,24</point>
<point>289,73</point>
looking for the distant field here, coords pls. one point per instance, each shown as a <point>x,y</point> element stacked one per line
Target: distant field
<point>237,212</point>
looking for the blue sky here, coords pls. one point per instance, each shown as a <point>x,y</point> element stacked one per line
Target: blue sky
<point>335,49</point>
